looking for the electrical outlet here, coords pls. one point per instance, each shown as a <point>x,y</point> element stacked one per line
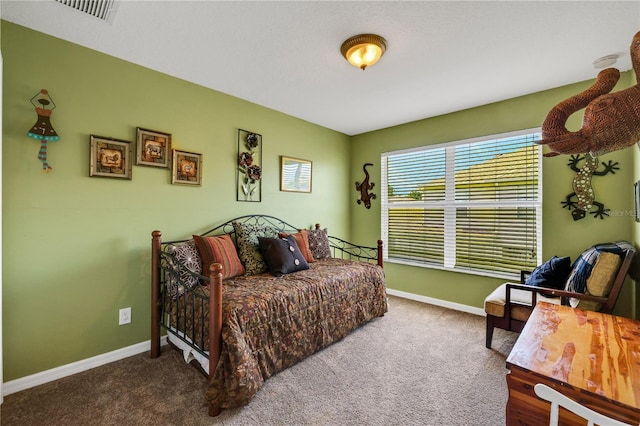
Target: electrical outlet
<point>125,316</point>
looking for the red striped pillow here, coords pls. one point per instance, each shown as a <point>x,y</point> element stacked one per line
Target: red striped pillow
<point>221,250</point>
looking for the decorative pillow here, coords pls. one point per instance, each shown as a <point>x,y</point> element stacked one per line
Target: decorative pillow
<point>219,249</point>
<point>187,256</point>
<point>282,255</point>
<point>247,239</point>
<point>551,274</point>
<point>302,239</point>
<point>319,243</point>
<point>601,279</point>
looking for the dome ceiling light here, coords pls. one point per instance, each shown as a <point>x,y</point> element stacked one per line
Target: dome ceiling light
<point>363,50</point>
<point>605,61</point>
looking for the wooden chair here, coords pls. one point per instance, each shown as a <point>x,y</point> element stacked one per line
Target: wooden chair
<point>508,307</point>
<point>558,400</point>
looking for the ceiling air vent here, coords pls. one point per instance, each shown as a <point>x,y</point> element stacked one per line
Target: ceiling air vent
<point>101,9</point>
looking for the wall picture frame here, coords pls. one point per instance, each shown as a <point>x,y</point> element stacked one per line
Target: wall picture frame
<point>153,148</point>
<point>186,168</point>
<point>295,174</point>
<point>636,201</point>
<point>110,158</point>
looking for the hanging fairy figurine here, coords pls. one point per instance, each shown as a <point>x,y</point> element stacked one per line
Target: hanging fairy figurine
<point>43,130</point>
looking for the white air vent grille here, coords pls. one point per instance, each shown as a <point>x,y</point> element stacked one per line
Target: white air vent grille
<point>101,9</point>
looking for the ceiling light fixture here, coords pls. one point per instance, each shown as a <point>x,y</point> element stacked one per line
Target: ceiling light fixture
<point>605,61</point>
<point>363,50</point>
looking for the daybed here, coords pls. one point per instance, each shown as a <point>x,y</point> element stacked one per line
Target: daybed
<point>255,295</point>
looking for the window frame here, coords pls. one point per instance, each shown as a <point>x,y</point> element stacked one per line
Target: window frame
<point>449,205</point>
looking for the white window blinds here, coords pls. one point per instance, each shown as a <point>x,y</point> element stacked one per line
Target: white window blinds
<point>472,206</point>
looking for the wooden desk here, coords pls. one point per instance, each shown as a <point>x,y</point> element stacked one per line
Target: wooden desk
<point>591,357</point>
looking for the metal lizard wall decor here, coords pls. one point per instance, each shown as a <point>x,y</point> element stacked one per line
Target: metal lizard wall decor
<point>582,188</point>
<point>364,187</point>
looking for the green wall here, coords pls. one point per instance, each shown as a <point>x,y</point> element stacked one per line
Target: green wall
<point>76,248</point>
<point>561,235</point>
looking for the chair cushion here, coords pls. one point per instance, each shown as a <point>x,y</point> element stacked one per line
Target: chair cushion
<point>601,279</point>
<point>495,302</point>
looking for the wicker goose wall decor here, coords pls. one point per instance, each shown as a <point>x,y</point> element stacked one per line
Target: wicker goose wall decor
<point>611,120</point>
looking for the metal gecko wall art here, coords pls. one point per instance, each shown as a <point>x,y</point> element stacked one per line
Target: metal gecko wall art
<point>582,188</point>
<point>364,187</point>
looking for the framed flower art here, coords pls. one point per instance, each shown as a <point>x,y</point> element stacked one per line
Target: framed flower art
<point>249,173</point>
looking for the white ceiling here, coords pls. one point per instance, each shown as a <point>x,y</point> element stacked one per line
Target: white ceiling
<point>442,56</point>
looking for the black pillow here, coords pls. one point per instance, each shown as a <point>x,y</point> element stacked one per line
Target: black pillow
<point>551,274</point>
<point>282,255</point>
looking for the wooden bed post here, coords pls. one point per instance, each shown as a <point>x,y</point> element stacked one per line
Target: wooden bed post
<point>380,254</point>
<point>215,325</point>
<point>156,242</point>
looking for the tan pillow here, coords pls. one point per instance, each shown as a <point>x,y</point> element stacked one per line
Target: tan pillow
<point>601,279</point>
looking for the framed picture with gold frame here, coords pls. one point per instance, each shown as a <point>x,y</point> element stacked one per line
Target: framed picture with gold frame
<point>295,174</point>
<point>187,168</point>
<point>153,148</point>
<point>110,158</point>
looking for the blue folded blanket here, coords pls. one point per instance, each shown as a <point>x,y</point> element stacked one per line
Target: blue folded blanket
<point>581,269</point>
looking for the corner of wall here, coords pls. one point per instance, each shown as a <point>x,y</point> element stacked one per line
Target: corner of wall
<point>636,235</point>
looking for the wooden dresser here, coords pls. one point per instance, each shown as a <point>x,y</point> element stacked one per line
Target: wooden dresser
<point>591,357</point>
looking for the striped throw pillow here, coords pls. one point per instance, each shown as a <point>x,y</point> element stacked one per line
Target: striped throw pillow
<point>219,249</point>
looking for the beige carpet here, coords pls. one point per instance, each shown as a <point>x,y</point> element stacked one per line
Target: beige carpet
<point>417,365</point>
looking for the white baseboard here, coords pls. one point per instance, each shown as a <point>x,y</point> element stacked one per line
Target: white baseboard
<point>47,376</point>
<point>437,302</point>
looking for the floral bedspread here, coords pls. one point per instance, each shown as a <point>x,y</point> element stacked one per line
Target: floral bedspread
<point>271,323</point>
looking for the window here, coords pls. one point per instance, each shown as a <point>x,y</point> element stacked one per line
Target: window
<point>471,206</point>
